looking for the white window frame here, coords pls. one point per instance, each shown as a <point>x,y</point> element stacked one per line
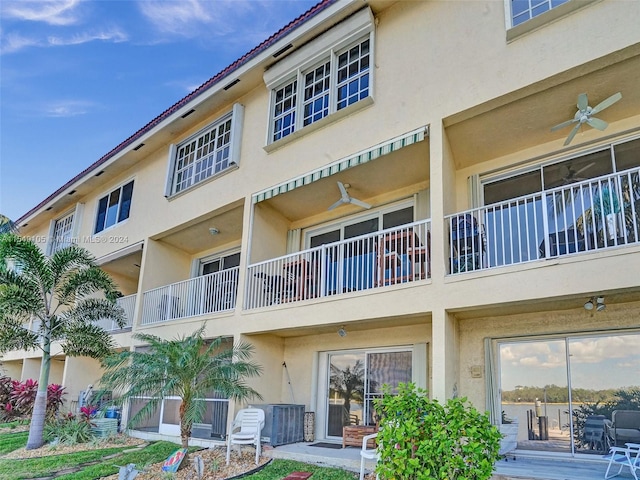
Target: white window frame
<point>222,158</point>
<point>106,195</point>
<point>323,51</point>
<point>341,223</point>
<point>542,18</point>
<point>61,234</point>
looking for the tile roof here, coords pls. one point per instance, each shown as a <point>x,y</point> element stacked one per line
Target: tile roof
<point>217,78</point>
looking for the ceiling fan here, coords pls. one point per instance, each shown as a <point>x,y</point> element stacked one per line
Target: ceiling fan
<point>346,198</point>
<point>572,175</point>
<point>585,115</point>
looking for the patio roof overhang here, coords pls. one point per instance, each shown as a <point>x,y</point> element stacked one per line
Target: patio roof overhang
<point>359,158</point>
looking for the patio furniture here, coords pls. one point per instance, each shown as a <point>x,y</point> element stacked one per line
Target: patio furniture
<point>353,434</point>
<point>624,427</point>
<point>594,432</point>
<point>467,242</point>
<point>398,255</point>
<point>369,451</point>
<point>628,456</point>
<point>249,423</point>
<point>298,281</point>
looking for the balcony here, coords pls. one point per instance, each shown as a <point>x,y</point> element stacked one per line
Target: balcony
<point>591,215</point>
<point>212,293</point>
<point>128,304</point>
<point>389,257</point>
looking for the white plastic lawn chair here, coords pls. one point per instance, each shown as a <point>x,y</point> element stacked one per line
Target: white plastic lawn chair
<point>368,453</point>
<point>246,429</point>
<point>628,456</point>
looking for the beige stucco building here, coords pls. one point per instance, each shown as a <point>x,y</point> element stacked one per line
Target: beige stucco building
<point>476,237</point>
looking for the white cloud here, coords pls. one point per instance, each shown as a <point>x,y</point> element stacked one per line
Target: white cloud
<point>14,42</point>
<point>248,19</point>
<point>178,17</point>
<point>598,349</point>
<point>66,108</point>
<point>114,35</point>
<point>53,12</point>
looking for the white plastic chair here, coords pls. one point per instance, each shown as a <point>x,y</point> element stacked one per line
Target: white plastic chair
<point>368,453</point>
<point>249,423</point>
<point>628,456</point>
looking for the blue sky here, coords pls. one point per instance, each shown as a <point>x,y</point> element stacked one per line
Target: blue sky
<point>77,77</point>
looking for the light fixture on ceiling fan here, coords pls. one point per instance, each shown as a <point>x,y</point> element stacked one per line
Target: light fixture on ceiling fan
<point>346,198</point>
<point>585,115</point>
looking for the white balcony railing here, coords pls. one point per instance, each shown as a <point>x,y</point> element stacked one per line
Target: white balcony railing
<point>215,292</point>
<point>392,256</point>
<point>128,304</point>
<point>590,215</point>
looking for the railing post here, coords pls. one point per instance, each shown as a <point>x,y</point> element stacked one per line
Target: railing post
<point>545,224</point>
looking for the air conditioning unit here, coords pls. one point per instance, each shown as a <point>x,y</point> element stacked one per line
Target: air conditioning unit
<point>284,423</point>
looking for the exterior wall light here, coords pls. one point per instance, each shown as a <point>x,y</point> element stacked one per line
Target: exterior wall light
<point>342,332</point>
<point>595,302</point>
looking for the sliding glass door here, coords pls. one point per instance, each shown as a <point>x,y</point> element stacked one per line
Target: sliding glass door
<point>562,392</point>
<point>355,380</point>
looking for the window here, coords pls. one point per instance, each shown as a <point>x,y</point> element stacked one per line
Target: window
<point>321,92</point>
<point>208,153</point>
<point>62,235</point>
<point>114,208</point>
<point>321,78</point>
<point>523,10</point>
<point>565,378</point>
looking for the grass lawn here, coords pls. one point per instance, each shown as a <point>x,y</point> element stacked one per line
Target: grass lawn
<point>278,469</point>
<point>20,469</point>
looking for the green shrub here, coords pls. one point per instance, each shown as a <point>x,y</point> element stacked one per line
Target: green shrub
<point>421,439</point>
<point>68,431</point>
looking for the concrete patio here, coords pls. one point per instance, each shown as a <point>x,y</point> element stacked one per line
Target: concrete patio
<point>527,465</point>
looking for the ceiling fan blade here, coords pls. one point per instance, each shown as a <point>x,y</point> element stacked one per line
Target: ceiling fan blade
<point>572,134</point>
<point>586,167</point>
<point>597,123</point>
<point>337,204</point>
<point>563,124</point>
<point>343,190</point>
<point>583,101</point>
<point>606,103</point>
<point>360,203</point>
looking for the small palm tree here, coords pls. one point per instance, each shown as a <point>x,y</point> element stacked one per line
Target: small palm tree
<point>188,367</point>
<point>55,293</point>
<point>7,225</point>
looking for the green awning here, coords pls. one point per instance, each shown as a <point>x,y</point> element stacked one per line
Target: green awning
<point>354,160</point>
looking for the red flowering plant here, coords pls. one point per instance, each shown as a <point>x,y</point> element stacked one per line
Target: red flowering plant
<point>87,413</point>
<point>23,396</point>
<point>55,393</point>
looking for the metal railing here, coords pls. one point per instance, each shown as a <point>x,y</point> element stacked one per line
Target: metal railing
<point>392,256</point>
<point>591,215</point>
<point>128,304</point>
<point>212,293</point>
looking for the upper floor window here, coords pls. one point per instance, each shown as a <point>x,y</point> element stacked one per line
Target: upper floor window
<point>523,10</point>
<point>114,208</point>
<point>209,152</point>
<point>321,78</point>
<point>62,235</point>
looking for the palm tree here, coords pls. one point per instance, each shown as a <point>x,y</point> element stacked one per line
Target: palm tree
<point>349,384</point>
<point>53,292</point>
<point>7,225</point>
<point>188,367</point>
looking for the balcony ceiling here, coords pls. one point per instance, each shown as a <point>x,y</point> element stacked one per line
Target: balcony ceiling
<point>194,237</point>
<point>523,119</point>
<point>379,181</point>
